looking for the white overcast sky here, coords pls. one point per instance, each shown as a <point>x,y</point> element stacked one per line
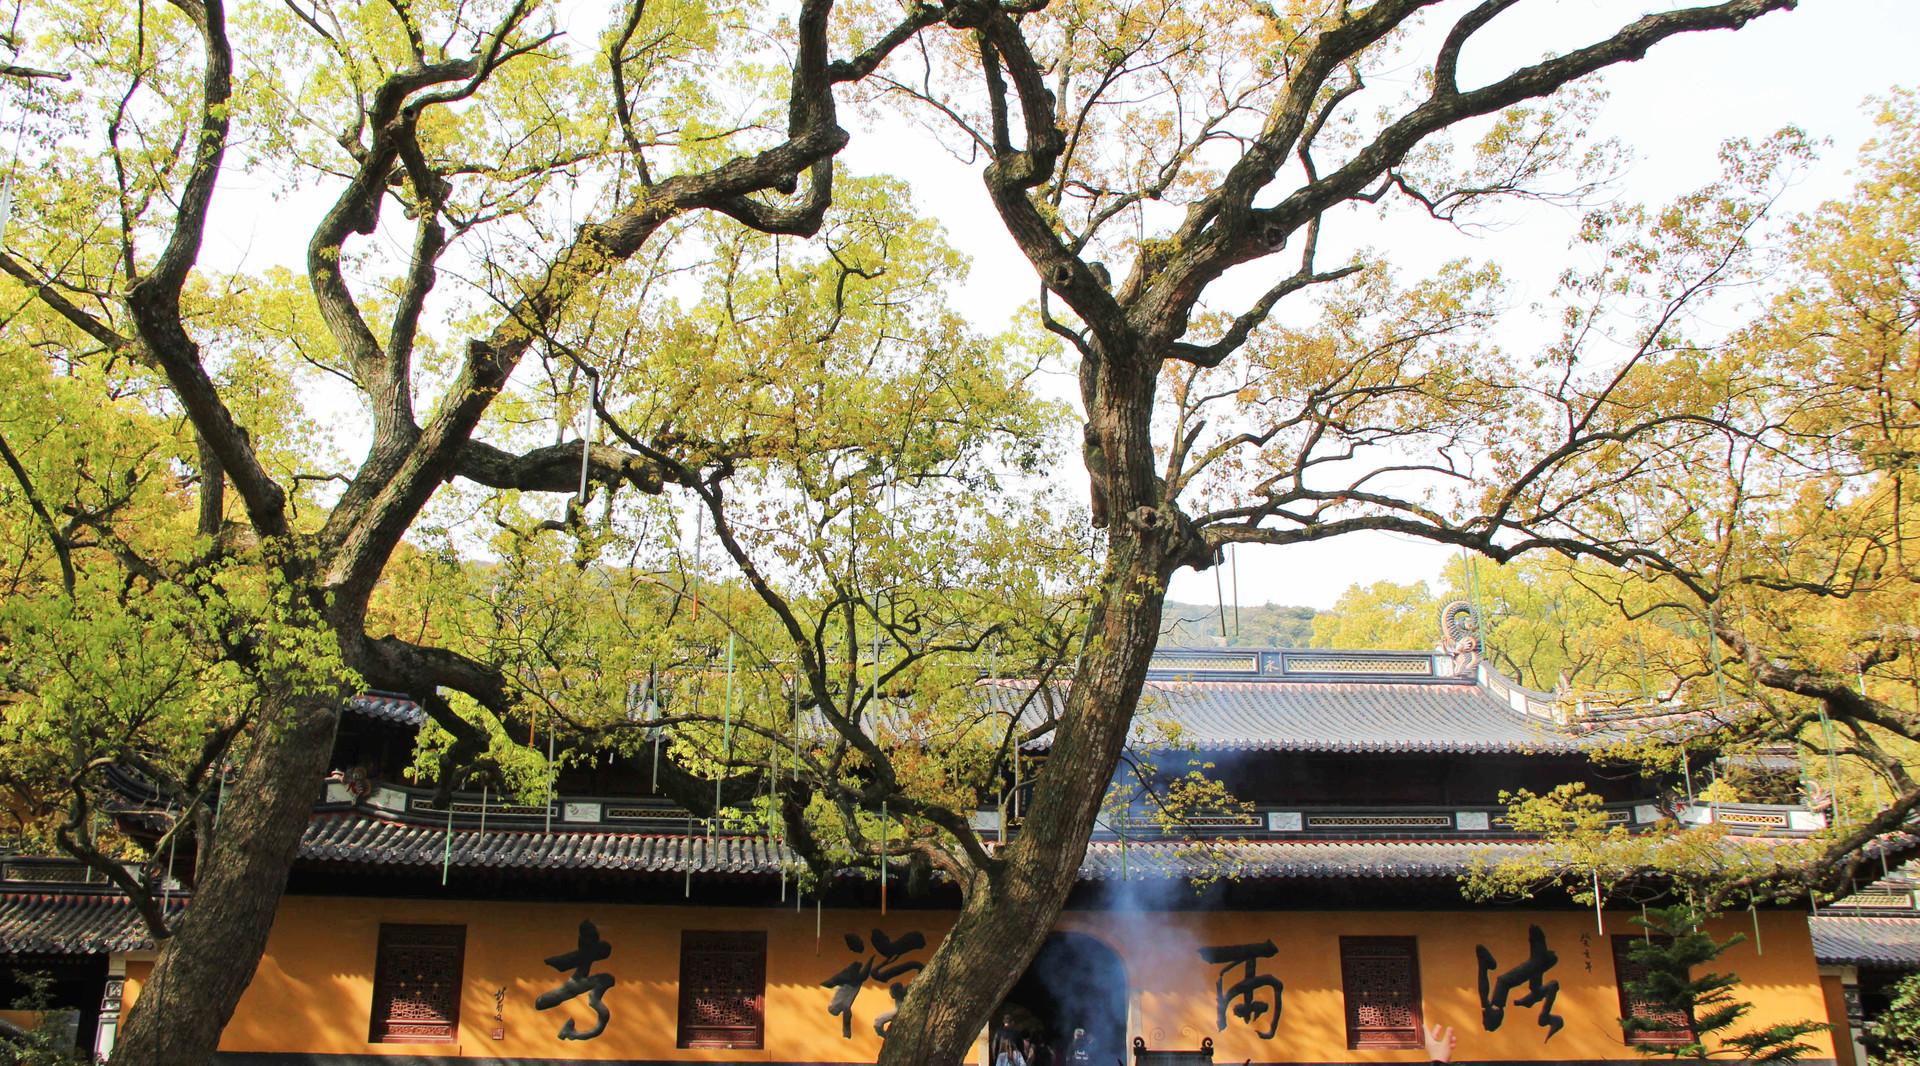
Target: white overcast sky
<point>1812,67</point>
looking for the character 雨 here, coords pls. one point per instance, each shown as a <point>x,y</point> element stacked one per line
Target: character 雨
<point>1249,1009</point>
<point>1493,1002</point>
<point>580,960</point>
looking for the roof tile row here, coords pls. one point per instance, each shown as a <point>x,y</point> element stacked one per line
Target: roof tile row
<point>354,839</point>
<point>350,838</point>
<point>1274,714</point>
<point>73,923</point>
<point>1320,716</point>
<point>1886,943</point>
<point>1287,859</point>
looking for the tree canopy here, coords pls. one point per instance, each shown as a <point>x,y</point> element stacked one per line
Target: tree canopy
<point>569,289</point>
<point>1769,597</point>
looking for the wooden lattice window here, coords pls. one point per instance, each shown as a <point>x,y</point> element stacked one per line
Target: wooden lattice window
<point>1381,978</point>
<point>1676,1027</point>
<point>416,984</point>
<point>723,989</point>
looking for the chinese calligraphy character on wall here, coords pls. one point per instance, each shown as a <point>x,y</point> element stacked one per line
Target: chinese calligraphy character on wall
<point>1248,988</point>
<point>580,960</point>
<point>1493,996</point>
<point>885,965</point>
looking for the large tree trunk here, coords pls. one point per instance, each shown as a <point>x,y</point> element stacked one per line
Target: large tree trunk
<point>1001,928</point>
<point>1004,922</point>
<point>209,961</point>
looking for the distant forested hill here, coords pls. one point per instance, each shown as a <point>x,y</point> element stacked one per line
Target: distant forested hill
<point>1267,625</point>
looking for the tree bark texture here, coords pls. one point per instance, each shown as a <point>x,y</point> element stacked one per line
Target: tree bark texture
<point>1005,920</point>
<point>209,961</point>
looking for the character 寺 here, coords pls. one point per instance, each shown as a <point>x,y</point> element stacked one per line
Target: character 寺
<point>580,960</point>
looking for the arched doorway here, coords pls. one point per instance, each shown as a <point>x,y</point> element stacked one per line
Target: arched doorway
<point>1075,982</point>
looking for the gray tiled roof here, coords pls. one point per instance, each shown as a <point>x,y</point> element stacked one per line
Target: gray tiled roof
<point>72,922</point>
<point>1339,716</point>
<point>1417,714</point>
<point>1885,943</point>
<point>1285,859</point>
<point>87,922</point>
<point>356,839</point>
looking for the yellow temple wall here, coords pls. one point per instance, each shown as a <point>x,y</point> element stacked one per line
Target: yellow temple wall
<point>1176,1008</point>
<point>313,989</point>
<point>20,1019</point>
<point>1842,1034</point>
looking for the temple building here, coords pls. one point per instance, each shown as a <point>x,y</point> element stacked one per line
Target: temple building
<point>1866,943</point>
<point>1324,923</point>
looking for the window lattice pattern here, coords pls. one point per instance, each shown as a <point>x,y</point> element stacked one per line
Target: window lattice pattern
<point>723,984</point>
<point>722,996</point>
<point>1381,978</point>
<point>1679,1027</point>
<point>416,984</point>
<point>496,809</point>
<point>1878,900</point>
<point>1245,664</point>
<point>1301,664</point>
<point>664,814</point>
<point>1380,821</point>
<point>1760,819</point>
<point>1192,822</point>
<point>46,871</point>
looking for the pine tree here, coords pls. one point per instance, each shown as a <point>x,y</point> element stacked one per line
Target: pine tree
<point>1702,1008</point>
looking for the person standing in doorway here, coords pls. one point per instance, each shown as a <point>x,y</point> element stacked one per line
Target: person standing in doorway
<point>1007,1050</point>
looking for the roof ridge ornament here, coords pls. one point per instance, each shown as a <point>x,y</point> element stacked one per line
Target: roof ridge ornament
<point>1460,635</point>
